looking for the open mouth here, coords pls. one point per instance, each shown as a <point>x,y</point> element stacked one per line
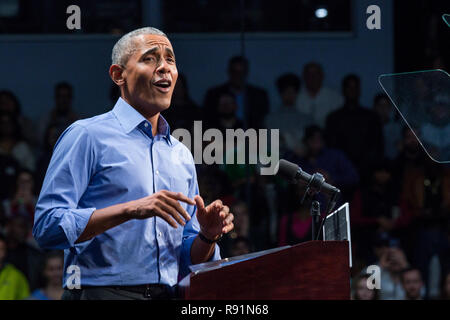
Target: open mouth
<point>163,85</point>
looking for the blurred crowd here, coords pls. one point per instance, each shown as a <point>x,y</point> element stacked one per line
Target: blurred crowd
<point>399,198</point>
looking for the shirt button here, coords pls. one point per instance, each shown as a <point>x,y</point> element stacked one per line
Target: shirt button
<point>159,234</point>
<point>146,124</point>
<point>157,171</point>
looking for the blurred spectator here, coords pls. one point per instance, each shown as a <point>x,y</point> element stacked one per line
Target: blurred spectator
<point>435,133</point>
<point>183,111</point>
<point>13,284</point>
<point>296,222</point>
<point>62,115</point>
<point>240,246</point>
<point>241,227</point>
<point>10,104</point>
<point>360,291</point>
<point>445,288</point>
<point>412,283</point>
<point>21,251</point>
<point>392,130</point>
<point>252,102</point>
<point>333,164</point>
<point>391,260</point>
<point>375,208</point>
<point>214,184</point>
<point>23,200</point>
<point>241,220</point>
<point>287,118</point>
<point>315,99</point>
<point>52,274</point>
<point>424,187</point>
<point>50,138</point>
<point>354,129</point>
<point>12,143</point>
<point>226,117</point>
<point>9,168</point>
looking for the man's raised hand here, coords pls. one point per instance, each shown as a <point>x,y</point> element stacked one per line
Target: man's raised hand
<point>215,219</point>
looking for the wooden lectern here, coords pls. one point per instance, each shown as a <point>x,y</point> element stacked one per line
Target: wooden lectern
<point>312,270</point>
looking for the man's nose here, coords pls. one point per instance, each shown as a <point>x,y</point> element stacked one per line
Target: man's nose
<point>163,66</point>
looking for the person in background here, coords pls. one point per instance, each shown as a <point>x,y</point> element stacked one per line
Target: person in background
<point>360,291</point>
<point>315,99</point>
<point>296,222</point>
<point>252,102</point>
<point>392,130</point>
<point>23,200</point>
<point>51,136</point>
<point>22,250</point>
<point>445,288</point>
<point>9,168</point>
<point>10,104</point>
<point>391,260</point>
<point>355,129</point>
<point>333,164</point>
<point>412,283</point>
<point>52,274</point>
<point>62,115</point>
<point>242,229</point>
<point>12,142</point>
<point>287,118</point>
<point>375,209</point>
<point>226,117</point>
<point>13,284</point>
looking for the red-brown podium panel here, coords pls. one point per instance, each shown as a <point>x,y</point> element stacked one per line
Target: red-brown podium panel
<point>311,270</point>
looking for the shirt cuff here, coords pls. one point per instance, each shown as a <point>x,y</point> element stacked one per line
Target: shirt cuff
<point>186,254</point>
<point>74,222</point>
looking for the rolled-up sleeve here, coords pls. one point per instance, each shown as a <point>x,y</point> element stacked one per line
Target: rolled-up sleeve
<point>58,220</point>
<point>190,232</point>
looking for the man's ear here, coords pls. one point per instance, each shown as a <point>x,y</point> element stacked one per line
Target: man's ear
<point>116,74</point>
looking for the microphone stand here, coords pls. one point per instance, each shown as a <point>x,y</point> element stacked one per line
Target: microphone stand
<point>312,188</point>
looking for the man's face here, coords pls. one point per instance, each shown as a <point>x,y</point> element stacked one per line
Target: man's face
<point>150,74</point>
<point>412,283</point>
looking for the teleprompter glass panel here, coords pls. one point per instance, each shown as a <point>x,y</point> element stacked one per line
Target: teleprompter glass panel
<point>423,100</point>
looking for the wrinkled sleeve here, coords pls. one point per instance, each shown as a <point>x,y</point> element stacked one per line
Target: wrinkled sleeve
<point>190,232</point>
<point>58,220</point>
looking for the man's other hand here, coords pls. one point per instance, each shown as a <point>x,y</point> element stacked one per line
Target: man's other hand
<point>215,219</point>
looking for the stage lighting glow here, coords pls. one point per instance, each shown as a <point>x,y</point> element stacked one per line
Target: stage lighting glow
<point>321,13</point>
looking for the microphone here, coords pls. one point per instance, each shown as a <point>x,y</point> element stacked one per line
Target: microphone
<point>294,173</point>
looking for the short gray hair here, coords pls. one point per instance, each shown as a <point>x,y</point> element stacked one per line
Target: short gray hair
<point>125,46</point>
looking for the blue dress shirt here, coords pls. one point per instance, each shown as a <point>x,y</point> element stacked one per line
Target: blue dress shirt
<point>106,160</point>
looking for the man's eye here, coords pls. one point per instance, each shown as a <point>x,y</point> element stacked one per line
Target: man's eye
<point>149,59</point>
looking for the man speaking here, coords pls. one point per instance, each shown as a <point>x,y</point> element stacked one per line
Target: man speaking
<point>126,212</point>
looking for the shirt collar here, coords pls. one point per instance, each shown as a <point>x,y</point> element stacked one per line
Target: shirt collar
<point>129,118</point>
